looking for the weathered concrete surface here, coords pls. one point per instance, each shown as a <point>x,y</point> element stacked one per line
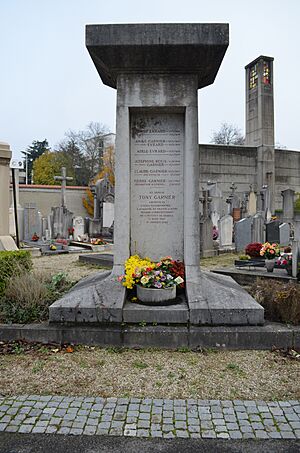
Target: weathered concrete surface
<point>99,259</point>
<point>160,48</point>
<point>168,337</point>
<point>249,276</point>
<point>96,299</point>
<point>172,314</point>
<point>218,300</point>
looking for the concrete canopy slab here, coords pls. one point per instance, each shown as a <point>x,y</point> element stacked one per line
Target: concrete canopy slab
<point>157,48</point>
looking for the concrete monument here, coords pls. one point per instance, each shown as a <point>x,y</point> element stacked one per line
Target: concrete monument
<point>157,70</point>
<point>6,241</point>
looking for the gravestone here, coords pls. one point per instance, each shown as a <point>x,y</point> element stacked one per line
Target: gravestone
<point>284,234</point>
<point>20,211</point>
<point>258,228</point>
<point>272,231</point>
<point>157,70</point>
<point>242,233</point>
<point>31,221</point>
<point>288,205</point>
<point>216,208</point>
<point>252,202</point>
<point>61,219</point>
<point>78,225</point>
<point>225,231</point>
<point>206,227</point>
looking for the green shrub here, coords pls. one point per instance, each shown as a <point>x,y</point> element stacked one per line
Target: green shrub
<point>281,301</point>
<point>13,263</point>
<point>27,296</point>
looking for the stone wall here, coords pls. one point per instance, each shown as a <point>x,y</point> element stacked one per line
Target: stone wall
<point>47,196</point>
<point>226,164</point>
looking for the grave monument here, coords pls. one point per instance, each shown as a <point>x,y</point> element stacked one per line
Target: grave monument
<point>6,241</point>
<point>157,70</point>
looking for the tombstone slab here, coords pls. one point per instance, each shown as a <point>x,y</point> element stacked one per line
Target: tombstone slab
<point>157,70</point>
<point>272,231</point>
<point>225,231</point>
<point>242,233</point>
<point>284,234</point>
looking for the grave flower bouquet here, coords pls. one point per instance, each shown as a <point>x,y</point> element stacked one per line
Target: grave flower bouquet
<point>269,251</point>
<point>163,274</point>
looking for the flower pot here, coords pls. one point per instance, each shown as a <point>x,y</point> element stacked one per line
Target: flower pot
<point>270,264</point>
<point>155,295</point>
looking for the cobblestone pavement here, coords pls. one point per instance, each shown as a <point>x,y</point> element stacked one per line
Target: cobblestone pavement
<point>143,417</point>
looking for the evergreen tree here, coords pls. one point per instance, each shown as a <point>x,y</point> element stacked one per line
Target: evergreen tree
<point>33,152</point>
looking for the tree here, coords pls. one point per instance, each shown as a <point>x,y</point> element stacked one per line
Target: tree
<point>91,144</point>
<point>32,153</point>
<point>107,172</point>
<point>74,161</point>
<point>47,166</point>
<point>228,134</point>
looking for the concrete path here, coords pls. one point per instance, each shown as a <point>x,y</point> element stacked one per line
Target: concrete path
<point>150,418</point>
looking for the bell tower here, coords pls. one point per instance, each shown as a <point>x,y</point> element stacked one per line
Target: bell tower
<point>260,120</point>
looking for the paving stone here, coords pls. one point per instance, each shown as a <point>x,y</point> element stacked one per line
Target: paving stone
<point>156,433</point>
<point>208,434</point>
<point>223,435</point>
<point>220,429</point>
<point>130,432</point>
<point>297,433</point>
<point>180,425</point>
<point>275,435</point>
<point>167,428</point>
<point>51,429</point>
<point>295,425</point>
<point>167,421</point>
<point>260,434</point>
<point>258,426</point>
<point>194,429</point>
<point>182,433</point>
<point>246,429</point>
<point>192,421</point>
<point>230,418</point>
<point>76,431</point>
<point>102,431</point>
<point>25,428</point>
<point>232,426</point>
<point>62,430</point>
<point>143,424</point>
<point>145,408</point>
<point>104,425</point>
<point>142,433</point>
<point>235,434</point>
<point>144,416</point>
<point>219,422</point>
<point>288,435</point>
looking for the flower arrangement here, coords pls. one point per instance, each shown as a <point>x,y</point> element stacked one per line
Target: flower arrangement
<point>269,251</point>
<point>253,249</point>
<point>163,274</point>
<point>35,237</point>
<point>98,241</point>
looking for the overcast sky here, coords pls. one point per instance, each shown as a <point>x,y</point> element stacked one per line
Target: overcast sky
<point>48,82</point>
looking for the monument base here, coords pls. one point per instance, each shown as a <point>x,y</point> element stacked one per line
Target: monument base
<point>210,299</point>
<point>7,244</point>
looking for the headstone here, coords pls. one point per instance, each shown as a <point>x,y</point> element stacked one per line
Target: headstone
<point>108,214</point>
<point>206,227</point>
<point>242,233</point>
<point>216,207</point>
<point>31,221</point>
<point>20,212</point>
<point>225,231</point>
<point>288,204</point>
<point>78,225</point>
<point>258,228</point>
<point>272,231</point>
<point>284,234</point>
<point>265,202</point>
<point>295,258</point>
<point>61,222</point>
<point>252,203</point>
<point>215,217</point>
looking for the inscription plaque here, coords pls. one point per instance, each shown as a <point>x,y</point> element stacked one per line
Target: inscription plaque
<point>156,173</point>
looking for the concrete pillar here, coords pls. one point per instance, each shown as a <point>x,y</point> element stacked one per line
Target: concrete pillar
<point>5,156</point>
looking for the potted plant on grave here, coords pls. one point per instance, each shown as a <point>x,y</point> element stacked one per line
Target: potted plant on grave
<point>155,282</point>
<point>253,250</point>
<point>285,260</point>
<point>270,252</point>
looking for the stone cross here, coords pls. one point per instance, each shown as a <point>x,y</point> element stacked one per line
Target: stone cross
<point>233,188</point>
<point>63,178</point>
<point>205,200</point>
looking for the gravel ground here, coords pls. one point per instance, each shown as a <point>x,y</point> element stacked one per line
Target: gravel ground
<point>68,263</point>
<point>93,371</point>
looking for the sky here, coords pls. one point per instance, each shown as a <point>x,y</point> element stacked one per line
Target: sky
<point>49,85</point>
